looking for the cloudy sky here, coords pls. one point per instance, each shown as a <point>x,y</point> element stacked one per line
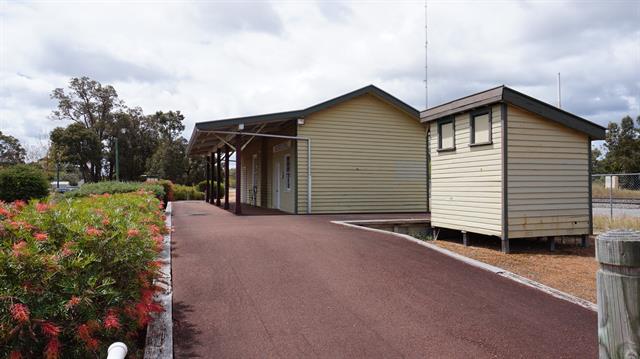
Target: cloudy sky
<point>212,59</point>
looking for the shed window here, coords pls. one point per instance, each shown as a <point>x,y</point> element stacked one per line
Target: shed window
<point>481,127</point>
<point>446,134</point>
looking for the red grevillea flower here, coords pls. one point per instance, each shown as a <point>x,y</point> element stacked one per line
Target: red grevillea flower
<point>133,233</point>
<point>66,249</point>
<point>42,207</point>
<point>19,312</point>
<point>111,321</point>
<point>154,229</point>
<point>19,204</point>
<point>15,355</point>
<point>18,248</point>
<point>106,222</point>
<point>52,350</point>
<point>49,329</point>
<point>5,213</point>
<point>41,236</point>
<point>94,231</point>
<point>72,302</point>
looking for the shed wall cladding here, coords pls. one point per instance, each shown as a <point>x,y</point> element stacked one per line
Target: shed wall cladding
<point>466,187</point>
<point>547,177</point>
<point>367,156</point>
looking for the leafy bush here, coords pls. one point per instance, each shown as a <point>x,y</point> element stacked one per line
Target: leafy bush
<point>77,275</point>
<point>183,193</point>
<point>113,187</point>
<point>168,190</point>
<point>22,182</point>
<point>202,187</point>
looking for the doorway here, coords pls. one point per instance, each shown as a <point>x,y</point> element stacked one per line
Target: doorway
<point>276,184</point>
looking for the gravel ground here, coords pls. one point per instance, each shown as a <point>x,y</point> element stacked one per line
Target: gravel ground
<point>570,268</point>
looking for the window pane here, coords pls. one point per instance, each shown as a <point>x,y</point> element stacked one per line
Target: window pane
<point>482,129</point>
<point>446,133</point>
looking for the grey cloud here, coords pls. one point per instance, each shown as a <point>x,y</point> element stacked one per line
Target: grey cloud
<point>240,16</point>
<point>335,11</point>
<point>69,60</point>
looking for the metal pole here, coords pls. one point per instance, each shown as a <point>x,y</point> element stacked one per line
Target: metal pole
<point>117,162</point>
<point>58,174</point>
<point>610,197</point>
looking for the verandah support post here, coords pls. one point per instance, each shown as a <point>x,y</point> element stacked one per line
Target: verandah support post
<point>207,191</point>
<point>210,187</point>
<point>218,176</point>
<point>618,283</point>
<point>215,179</point>
<point>238,144</point>
<point>226,177</point>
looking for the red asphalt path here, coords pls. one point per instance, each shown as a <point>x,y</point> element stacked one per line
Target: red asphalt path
<point>300,286</point>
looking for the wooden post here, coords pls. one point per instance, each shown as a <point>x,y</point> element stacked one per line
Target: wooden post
<point>583,241</point>
<point>552,243</point>
<point>218,176</point>
<point>465,239</point>
<point>207,191</point>
<point>238,144</point>
<point>214,180</point>
<point>618,280</point>
<point>226,177</point>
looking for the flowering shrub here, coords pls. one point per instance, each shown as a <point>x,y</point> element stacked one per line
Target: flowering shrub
<point>113,187</point>
<point>77,275</point>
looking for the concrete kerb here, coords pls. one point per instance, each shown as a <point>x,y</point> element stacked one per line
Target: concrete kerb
<point>159,341</point>
<point>496,270</point>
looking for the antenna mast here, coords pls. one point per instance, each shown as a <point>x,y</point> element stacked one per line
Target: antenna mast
<point>426,58</point>
<point>559,92</point>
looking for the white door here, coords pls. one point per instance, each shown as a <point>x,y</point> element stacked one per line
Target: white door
<point>276,184</point>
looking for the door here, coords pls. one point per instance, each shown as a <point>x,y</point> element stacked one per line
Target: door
<point>276,184</point>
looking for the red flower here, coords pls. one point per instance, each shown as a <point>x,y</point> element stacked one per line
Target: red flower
<point>42,207</point>
<point>154,229</point>
<point>49,329</point>
<point>72,302</point>
<point>41,236</point>
<point>94,232</point>
<point>52,350</point>
<point>66,249</point>
<point>133,233</point>
<point>19,312</point>
<point>105,222</point>
<point>19,204</point>
<point>111,321</point>
<point>15,355</point>
<point>5,213</point>
<point>18,248</point>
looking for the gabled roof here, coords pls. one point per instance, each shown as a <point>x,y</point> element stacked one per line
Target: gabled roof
<point>292,115</point>
<point>518,99</point>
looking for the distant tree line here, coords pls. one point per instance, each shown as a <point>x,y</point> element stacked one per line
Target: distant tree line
<point>147,144</point>
<point>621,150</point>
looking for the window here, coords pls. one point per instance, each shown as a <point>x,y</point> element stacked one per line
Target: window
<point>446,134</point>
<point>287,172</point>
<point>480,127</point>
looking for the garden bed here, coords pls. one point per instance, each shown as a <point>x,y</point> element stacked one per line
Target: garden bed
<point>78,274</point>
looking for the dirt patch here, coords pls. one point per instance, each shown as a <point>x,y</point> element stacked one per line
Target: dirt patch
<point>570,268</point>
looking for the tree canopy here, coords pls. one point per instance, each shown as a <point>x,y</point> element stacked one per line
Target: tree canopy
<point>621,148</point>
<point>11,152</point>
<point>101,121</point>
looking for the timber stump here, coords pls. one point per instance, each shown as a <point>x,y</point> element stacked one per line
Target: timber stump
<point>618,280</point>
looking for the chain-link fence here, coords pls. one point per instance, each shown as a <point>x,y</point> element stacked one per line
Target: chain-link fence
<point>616,194</point>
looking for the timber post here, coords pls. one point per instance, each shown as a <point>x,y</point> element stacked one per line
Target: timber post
<point>618,281</point>
<point>226,177</point>
<point>214,179</point>
<point>207,191</point>
<point>238,144</point>
<point>218,176</point>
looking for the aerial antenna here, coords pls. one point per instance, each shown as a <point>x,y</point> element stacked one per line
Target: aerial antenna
<point>426,58</point>
<point>559,92</point>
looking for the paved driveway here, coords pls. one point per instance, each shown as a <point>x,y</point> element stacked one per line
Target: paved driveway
<point>299,286</point>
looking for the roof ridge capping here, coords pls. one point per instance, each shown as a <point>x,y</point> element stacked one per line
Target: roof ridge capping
<point>506,94</point>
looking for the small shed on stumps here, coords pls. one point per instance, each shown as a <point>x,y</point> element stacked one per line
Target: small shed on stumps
<point>506,164</point>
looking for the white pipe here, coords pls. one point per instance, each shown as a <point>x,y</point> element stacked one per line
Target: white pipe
<point>117,350</point>
<point>279,136</point>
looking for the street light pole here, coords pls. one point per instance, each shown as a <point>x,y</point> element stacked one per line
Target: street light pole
<point>117,162</point>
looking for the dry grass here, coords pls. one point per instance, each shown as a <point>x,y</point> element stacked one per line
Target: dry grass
<point>600,191</point>
<point>603,223</point>
<point>570,268</point>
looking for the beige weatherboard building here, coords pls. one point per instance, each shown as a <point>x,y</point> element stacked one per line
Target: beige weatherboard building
<point>505,164</point>
<point>362,152</point>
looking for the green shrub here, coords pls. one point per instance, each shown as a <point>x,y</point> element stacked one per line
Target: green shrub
<point>113,187</point>
<point>202,187</point>
<point>168,190</point>
<point>22,182</point>
<point>77,275</point>
<point>184,193</point>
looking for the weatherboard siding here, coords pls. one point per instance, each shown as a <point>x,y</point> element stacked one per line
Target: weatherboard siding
<point>547,177</point>
<point>366,157</point>
<point>466,184</point>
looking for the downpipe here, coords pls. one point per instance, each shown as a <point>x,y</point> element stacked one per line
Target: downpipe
<point>117,350</point>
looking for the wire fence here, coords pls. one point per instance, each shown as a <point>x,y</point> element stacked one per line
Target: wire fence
<point>616,194</point>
